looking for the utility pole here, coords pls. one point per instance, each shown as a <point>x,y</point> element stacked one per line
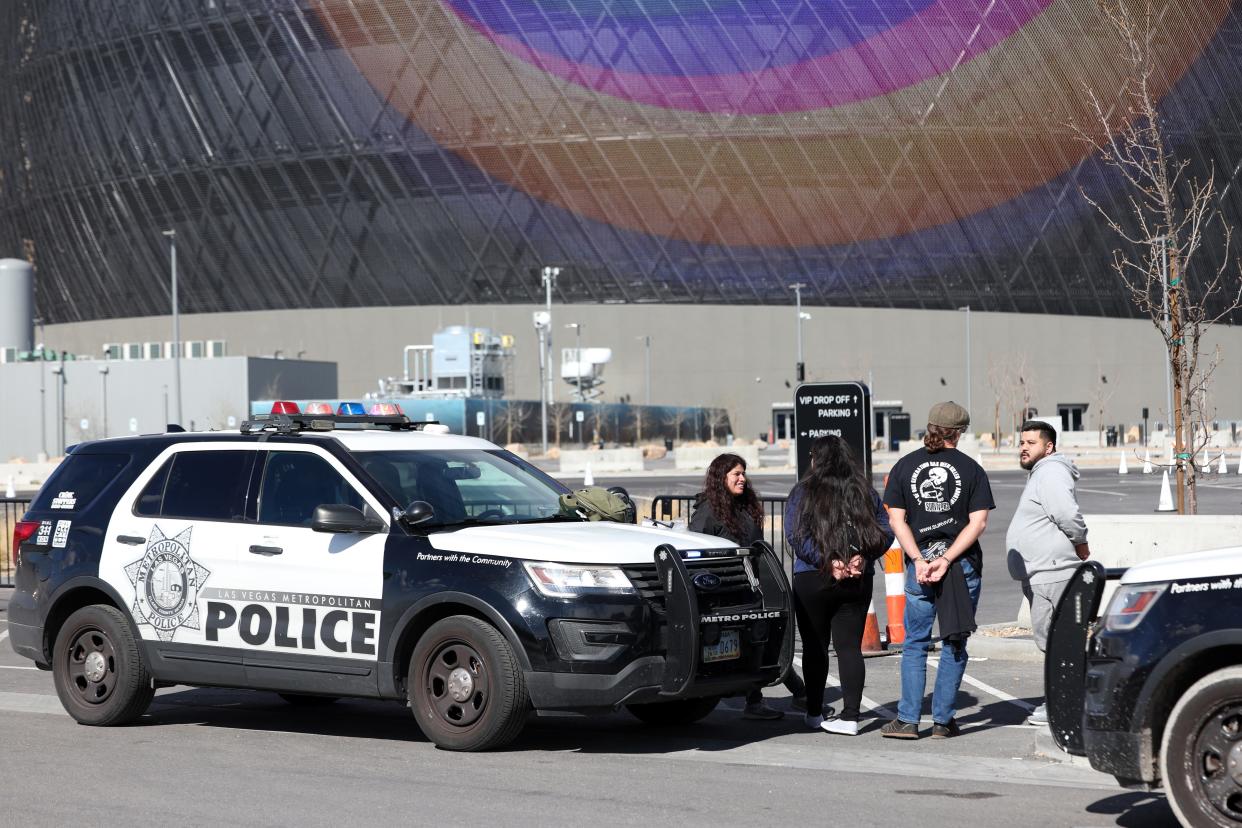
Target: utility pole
<point>42,389</point>
<point>967,309</point>
<point>646,340</point>
<point>176,324</point>
<point>577,326</point>
<point>799,366</point>
<point>103,380</point>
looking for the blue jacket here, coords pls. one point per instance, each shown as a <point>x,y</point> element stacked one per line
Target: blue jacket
<point>808,554</point>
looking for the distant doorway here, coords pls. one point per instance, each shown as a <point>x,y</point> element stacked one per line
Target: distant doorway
<point>1071,415</point>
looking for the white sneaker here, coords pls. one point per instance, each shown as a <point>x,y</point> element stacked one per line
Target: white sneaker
<point>840,726</point>
<point>813,722</point>
<point>1039,716</point>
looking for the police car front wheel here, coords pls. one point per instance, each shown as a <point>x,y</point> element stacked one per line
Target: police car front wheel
<point>466,686</point>
<point>1201,757</point>
<point>98,669</point>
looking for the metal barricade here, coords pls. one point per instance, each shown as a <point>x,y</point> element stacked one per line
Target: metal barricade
<point>11,511</point>
<point>669,508</point>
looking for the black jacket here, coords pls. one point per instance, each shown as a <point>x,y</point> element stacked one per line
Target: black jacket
<point>703,520</point>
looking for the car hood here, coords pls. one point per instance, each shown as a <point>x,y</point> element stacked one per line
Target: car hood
<point>605,543</point>
<point>1215,563</point>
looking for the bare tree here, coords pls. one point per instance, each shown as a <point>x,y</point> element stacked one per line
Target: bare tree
<point>1162,224</point>
<point>513,418</point>
<point>676,418</point>
<point>560,414</point>
<point>638,414</point>
<point>717,418</point>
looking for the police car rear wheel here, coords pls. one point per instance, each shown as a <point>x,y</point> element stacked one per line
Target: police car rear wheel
<point>98,669</point>
<point>466,686</point>
<point>680,712</point>
<point>1201,755</point>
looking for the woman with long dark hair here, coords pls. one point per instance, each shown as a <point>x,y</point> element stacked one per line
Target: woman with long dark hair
<point>837,526</point>
<point>729,508</point>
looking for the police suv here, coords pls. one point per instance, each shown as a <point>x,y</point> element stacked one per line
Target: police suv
<point>1151,692</point>
<point>362,554</point>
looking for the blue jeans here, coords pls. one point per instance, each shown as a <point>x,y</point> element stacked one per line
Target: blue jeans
<point>920,614</point>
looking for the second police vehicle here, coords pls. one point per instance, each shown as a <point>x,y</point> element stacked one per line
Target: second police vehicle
<point>359,554</point>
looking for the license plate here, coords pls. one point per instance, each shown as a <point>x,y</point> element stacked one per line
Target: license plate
<point>729,646</point>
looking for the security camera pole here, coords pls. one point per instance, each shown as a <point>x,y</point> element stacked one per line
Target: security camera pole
<point>800,367</point>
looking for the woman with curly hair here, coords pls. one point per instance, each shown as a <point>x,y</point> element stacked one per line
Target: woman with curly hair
<point>729,508</point>
<point>837,526</point>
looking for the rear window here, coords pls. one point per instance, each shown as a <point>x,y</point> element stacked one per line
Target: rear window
<point>78,480</point>
<point>206,485</point>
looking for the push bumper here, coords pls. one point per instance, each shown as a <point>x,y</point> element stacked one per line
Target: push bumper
<point>679,671</point>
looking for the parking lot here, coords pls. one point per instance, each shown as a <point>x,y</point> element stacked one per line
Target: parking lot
<point>220,757</point>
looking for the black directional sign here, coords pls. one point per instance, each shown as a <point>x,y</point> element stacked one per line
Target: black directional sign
<point>840,408</point>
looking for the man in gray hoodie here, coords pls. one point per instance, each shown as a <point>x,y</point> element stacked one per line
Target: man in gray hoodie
<point>1047,537</point>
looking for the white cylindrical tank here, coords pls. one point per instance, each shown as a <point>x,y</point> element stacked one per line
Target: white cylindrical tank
<point>16,304</point>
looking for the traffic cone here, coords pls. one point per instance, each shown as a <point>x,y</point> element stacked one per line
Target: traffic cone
<point>9,491</point>
<point>1206,468</point>
<point>588,479</point>
<point>1147,461</point>
<point>1166,495</point>
<point>1222,467</point>
<point>1121,467</point>
<point>871,632</point>
<point>1240,463</point>
<point>895,594</point>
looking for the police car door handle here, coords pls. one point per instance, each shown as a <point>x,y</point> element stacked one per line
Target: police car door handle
<point>266,550</point>
<point>131,540</point>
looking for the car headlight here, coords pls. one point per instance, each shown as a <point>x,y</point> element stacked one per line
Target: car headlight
<point>557,580</point>
<point>1129,604</point>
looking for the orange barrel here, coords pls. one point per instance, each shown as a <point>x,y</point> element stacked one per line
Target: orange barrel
<point>895,593</point>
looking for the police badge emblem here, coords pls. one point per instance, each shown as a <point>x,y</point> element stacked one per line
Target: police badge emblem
<point>166,582</point>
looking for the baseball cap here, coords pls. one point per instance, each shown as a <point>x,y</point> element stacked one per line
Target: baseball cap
<point>948,415</point>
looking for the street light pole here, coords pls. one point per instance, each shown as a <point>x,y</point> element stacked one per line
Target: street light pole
<point>967,309</point>
<point>42,389</point>
<point>176,324</point>
<point>800,366</point>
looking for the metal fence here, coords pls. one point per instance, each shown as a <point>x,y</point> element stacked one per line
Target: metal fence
<point>678,507</point>
<point>11,511</point>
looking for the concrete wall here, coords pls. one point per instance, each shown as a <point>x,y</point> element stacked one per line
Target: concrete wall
<point>139,397</point>
<point>738,357</point>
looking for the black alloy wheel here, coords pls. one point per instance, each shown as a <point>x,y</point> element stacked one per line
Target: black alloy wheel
<point>98,669</point>
<point>466,686</point>
<point>1201,754</point>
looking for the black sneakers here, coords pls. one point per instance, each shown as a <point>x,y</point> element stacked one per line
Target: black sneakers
<point>947,730</point>
<point>897,729</point>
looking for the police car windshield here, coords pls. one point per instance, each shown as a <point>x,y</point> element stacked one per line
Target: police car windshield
<point>465,487</point>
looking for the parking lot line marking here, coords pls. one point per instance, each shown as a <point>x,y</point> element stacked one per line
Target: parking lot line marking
<point>987,688</point>
<point>870,704</point>
<point>4,634</point>
<point>16,667</point>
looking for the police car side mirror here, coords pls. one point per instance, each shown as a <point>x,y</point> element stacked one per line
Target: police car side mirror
<point>340,517</point>
<point>420,511</point>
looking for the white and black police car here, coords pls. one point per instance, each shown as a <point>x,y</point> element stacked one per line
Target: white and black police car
<point>1151,690</point>
<point>359,554</point>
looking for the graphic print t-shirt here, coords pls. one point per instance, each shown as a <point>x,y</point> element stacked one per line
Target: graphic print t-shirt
<point>938,492</point>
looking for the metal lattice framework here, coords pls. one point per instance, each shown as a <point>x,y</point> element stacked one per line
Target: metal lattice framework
<point>331,153</point>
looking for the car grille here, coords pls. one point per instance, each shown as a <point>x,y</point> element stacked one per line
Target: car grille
<point>734,589</point>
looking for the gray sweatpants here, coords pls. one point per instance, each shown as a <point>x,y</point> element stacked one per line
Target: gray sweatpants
<point>1043,599</point>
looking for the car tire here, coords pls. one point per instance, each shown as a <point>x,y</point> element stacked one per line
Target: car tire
<point>466,686</point>
<point>672,713</point>
<point>1201,731</point>
<point>305,700</point>
<point>98,670</point>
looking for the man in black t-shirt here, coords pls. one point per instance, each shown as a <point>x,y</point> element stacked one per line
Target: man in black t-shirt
<point>938,501</point>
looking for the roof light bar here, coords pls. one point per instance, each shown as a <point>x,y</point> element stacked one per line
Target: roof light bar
<point>285,407</point>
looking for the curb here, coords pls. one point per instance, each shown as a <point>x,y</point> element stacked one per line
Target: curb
<point>1046,748</point>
